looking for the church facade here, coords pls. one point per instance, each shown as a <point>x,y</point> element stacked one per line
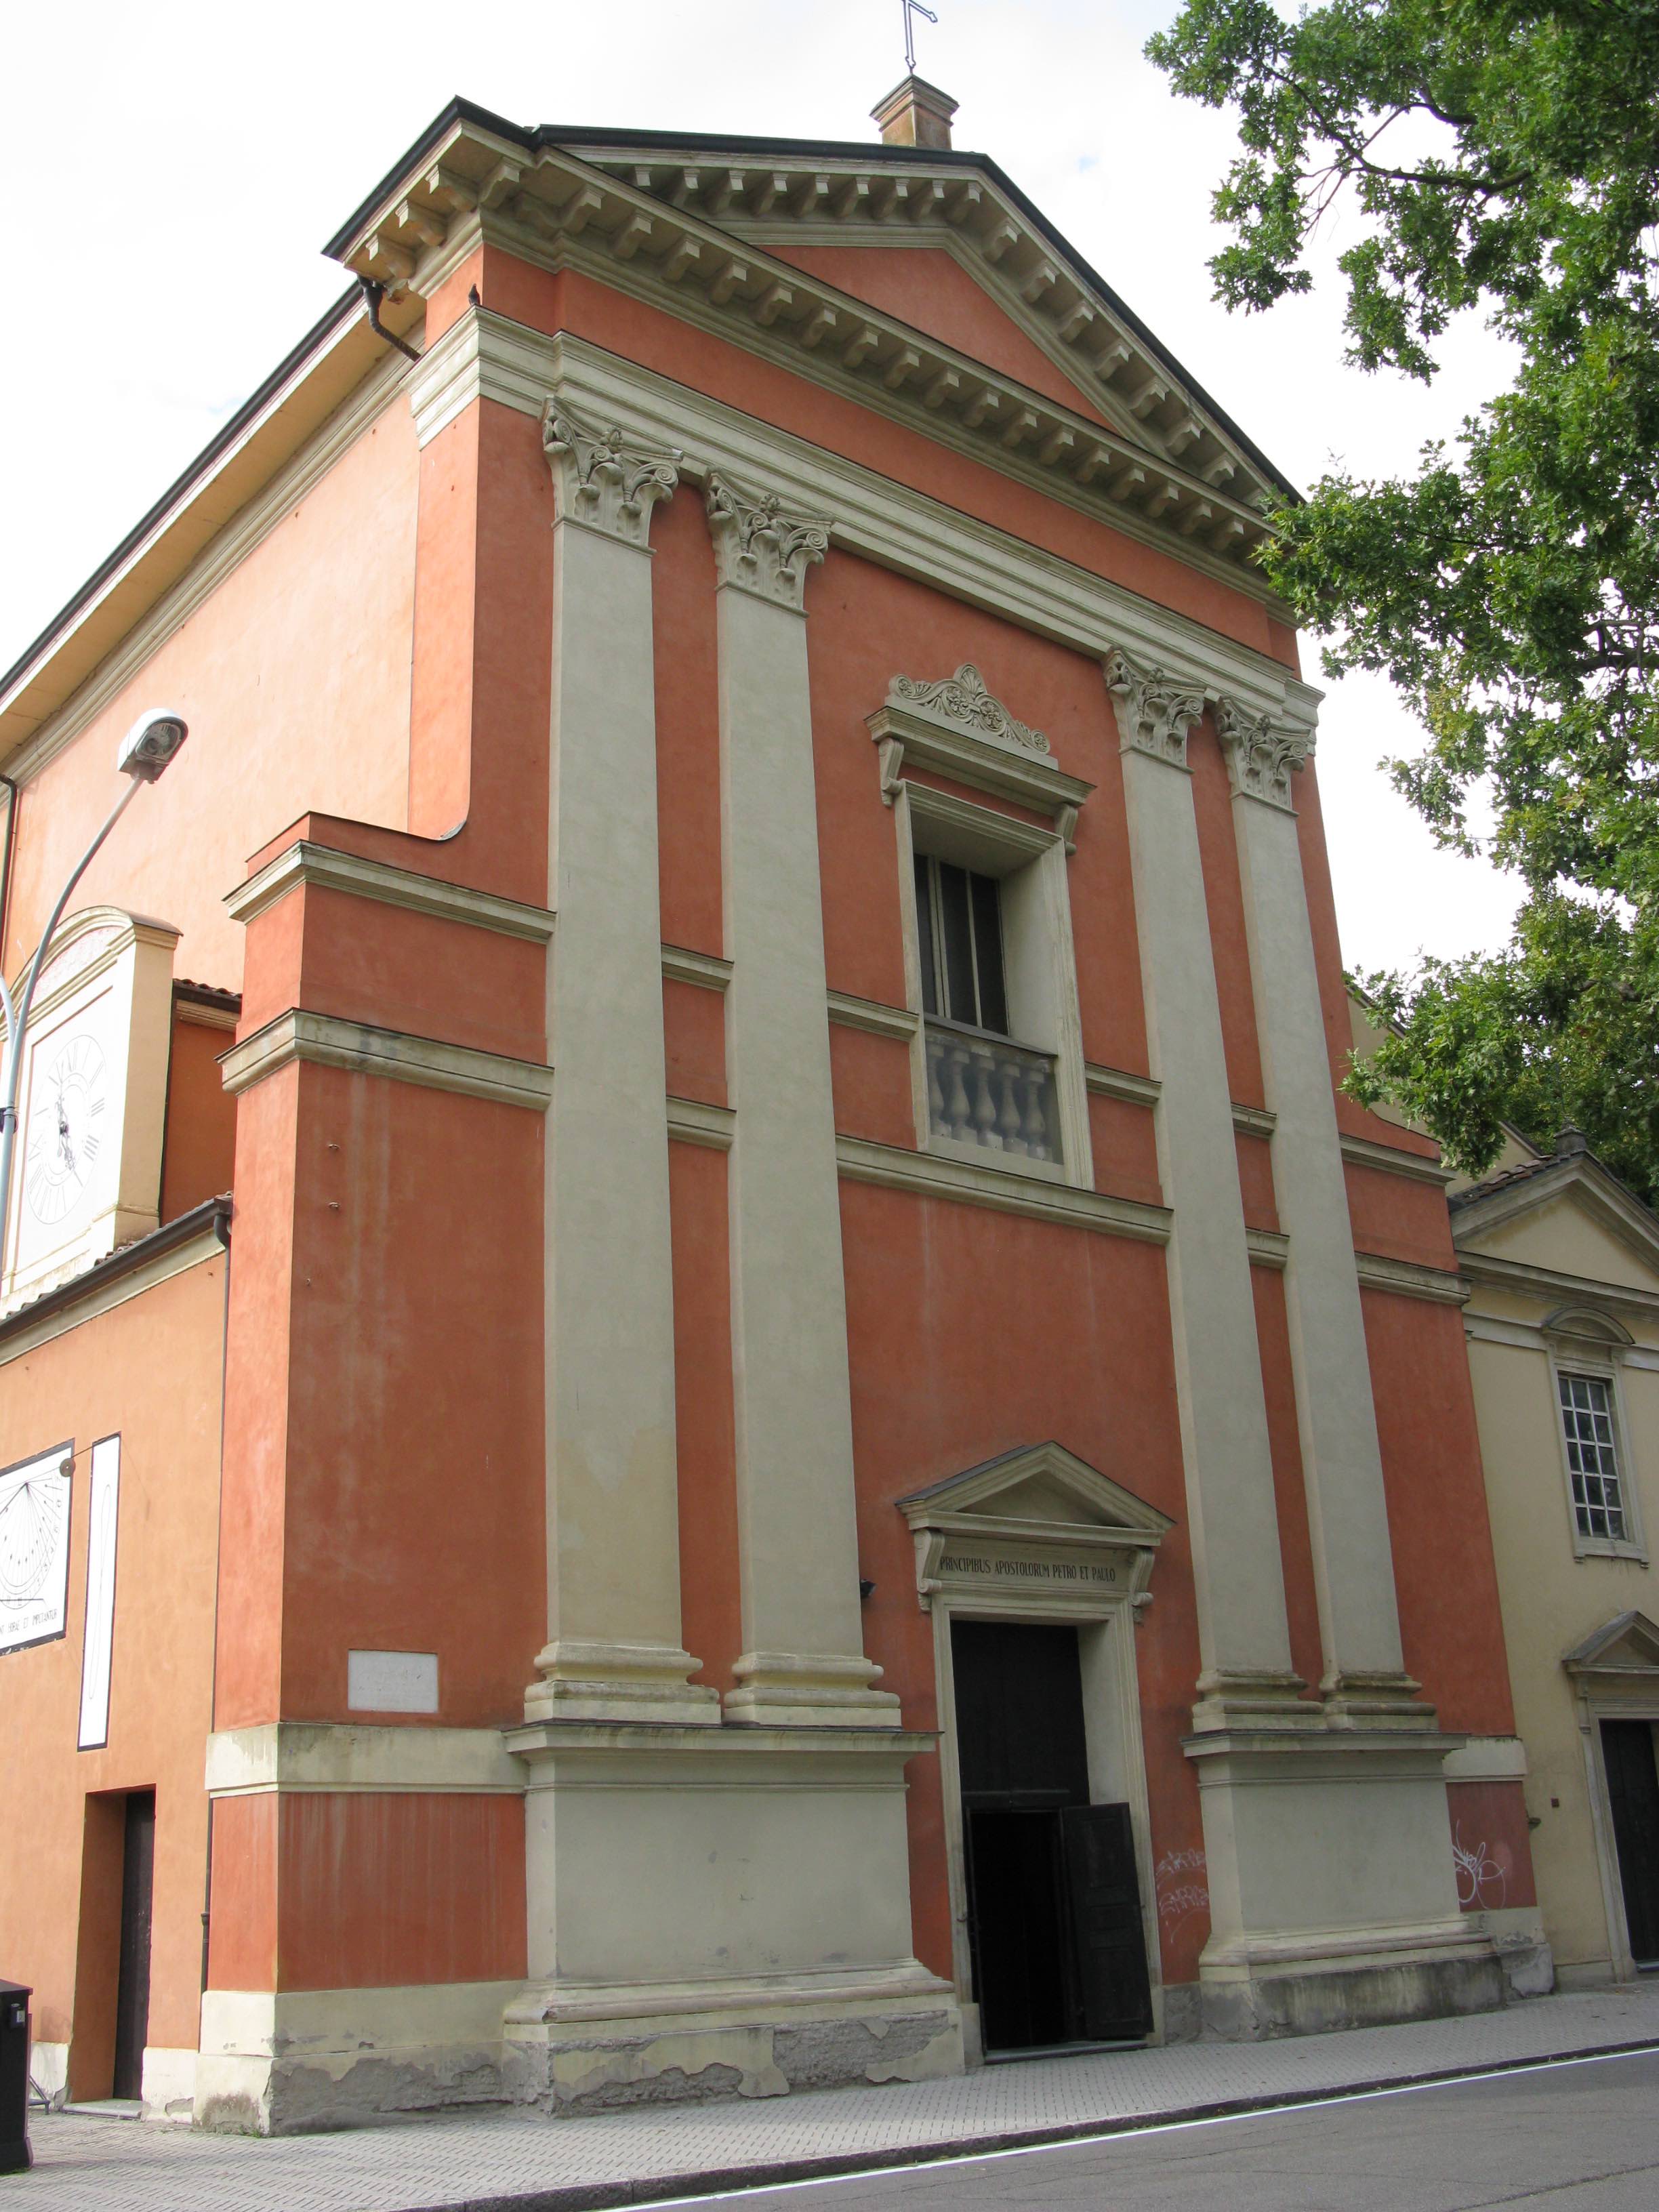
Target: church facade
<point>725,1403</point>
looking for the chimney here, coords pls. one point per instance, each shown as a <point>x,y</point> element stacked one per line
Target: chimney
<point>1571,1144</point>
<point>917,114</point>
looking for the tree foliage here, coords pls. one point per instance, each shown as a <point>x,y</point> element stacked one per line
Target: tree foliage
<point>1503,157</point>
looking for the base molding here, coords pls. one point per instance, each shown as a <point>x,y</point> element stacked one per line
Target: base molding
<point>571,2051</point>
<point>293,2061</point>
<point>1267,2003</point>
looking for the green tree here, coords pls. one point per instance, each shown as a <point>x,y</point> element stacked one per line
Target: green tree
<point>1501,157</point>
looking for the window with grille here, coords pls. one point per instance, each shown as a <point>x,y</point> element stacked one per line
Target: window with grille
<point>959,922</point>
<point>1598,1502</point>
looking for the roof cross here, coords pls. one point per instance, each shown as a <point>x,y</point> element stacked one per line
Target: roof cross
<point>912,10</point>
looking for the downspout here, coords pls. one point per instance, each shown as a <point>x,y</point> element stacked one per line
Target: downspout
<point>373,292</point>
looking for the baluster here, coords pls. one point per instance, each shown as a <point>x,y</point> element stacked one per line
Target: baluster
<point>1036,1126</point>
<point>960,1112</point>
<point>935,1089</point>
<point>984,1106</point>
<point>1012,1125</point>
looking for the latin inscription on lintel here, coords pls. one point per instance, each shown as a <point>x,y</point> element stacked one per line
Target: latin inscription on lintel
<point>1031,1570</point>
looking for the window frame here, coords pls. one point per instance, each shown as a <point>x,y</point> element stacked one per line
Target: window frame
<point>1573,1352</point>
<point>1039,962</point>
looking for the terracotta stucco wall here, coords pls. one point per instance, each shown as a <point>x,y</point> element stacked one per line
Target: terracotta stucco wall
<point>294,675</point>
<point>149,1369</point>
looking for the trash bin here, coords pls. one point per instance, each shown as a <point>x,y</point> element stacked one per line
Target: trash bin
<point>13,2077</point>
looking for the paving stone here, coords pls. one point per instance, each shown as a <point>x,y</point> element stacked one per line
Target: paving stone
<point>486,2162</point>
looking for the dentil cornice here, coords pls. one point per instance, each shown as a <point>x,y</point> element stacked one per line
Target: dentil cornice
<point>1154,713</point>
<point>1261,754</point>
<point>1159,464</point>
<point>605,480</point>
<point>759,546</point>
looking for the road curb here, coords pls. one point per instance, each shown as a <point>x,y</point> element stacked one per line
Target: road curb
<point>772,2173</point>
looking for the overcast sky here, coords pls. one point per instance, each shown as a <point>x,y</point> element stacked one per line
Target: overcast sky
<point>176,165</point>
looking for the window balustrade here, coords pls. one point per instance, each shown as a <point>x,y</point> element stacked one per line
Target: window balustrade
<point>987,1091</point>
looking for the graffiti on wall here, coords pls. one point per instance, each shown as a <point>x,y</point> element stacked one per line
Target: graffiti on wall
<point>1482,1880</point>
<point>1181,1881</point>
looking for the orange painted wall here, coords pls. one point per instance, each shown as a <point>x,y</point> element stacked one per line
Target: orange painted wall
<point>1223,898</point>
<point>1488,1824</point>
<point>656,341</point>
<point>867,626</point>
<point>924,288</point>
<point>481,686</point>
<point>972,1333</point>
<point>370,1890</point>
<point>198,1152</point>
<point>1444,1574</point>
<point>711,1606</point>
<point>396,1362</point>
<point>149,1370</point>
<point>294,676</point>
<point>688,726</point>
<point>382,1888</point>
<point>1285,1445</point>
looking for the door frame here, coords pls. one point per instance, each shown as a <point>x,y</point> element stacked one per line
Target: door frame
<point>1596,1706</point>
<point>1111,1719</point>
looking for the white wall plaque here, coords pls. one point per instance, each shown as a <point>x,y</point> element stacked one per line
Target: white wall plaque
<point>34,1529</point>
<point>98,1644</point>
<point>391,1681</point>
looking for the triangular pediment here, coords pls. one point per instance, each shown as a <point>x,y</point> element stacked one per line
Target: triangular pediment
<point>691,224</point>
<point>926,283</point>
<point>1040,1485</point>
<point>1570,1216</point>
<point>1628,1644</point>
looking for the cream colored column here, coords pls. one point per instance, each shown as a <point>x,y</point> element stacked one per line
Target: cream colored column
<point>612,1506</point>
<point>1244,1635</point>
<point>803,1659</point>
<point>1341,1462</point>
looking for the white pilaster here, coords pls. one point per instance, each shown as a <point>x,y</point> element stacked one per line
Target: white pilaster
<point>1244,1635</point>
<point>614,1648</point>
<point>803,1659</point>
<point>1341,1462</point>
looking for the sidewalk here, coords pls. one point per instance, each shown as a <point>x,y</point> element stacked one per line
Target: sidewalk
<point>521,2160</point>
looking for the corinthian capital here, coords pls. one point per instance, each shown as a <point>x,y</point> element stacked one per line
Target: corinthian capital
<point>606,479</point>
<point>759,547</point>
<point>1154,713</point>
<point>1261,754</point>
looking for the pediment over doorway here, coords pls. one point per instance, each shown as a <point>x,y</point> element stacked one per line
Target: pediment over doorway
<point>1038,1523</point>
<point>1628,1645</point>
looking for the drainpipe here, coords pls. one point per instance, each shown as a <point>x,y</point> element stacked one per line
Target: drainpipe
<point>373,292</point>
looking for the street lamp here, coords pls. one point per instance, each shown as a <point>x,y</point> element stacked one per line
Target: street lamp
<point>146,749</point>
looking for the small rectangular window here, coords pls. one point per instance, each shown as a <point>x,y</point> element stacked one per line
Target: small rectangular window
<point>959,940</point>
<point>1592,1457</point>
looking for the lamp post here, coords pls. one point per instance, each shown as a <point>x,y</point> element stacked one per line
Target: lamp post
<point>145,751</point>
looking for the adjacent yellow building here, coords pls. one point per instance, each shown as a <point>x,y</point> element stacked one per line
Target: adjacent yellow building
<point>1563,1327</point>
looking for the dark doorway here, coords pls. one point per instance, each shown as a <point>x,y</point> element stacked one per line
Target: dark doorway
<point>132,1987</point>
<point>1633,1796</point>
<point>1054,1904</point>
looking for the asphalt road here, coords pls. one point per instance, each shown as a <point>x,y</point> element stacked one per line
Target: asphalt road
<point>1575,2137</point>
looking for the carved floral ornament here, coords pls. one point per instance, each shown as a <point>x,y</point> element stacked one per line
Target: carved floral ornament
<point>606,479</point>
<point>760,546</point>
<point>963,701</point>
<point>1261,754</point>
